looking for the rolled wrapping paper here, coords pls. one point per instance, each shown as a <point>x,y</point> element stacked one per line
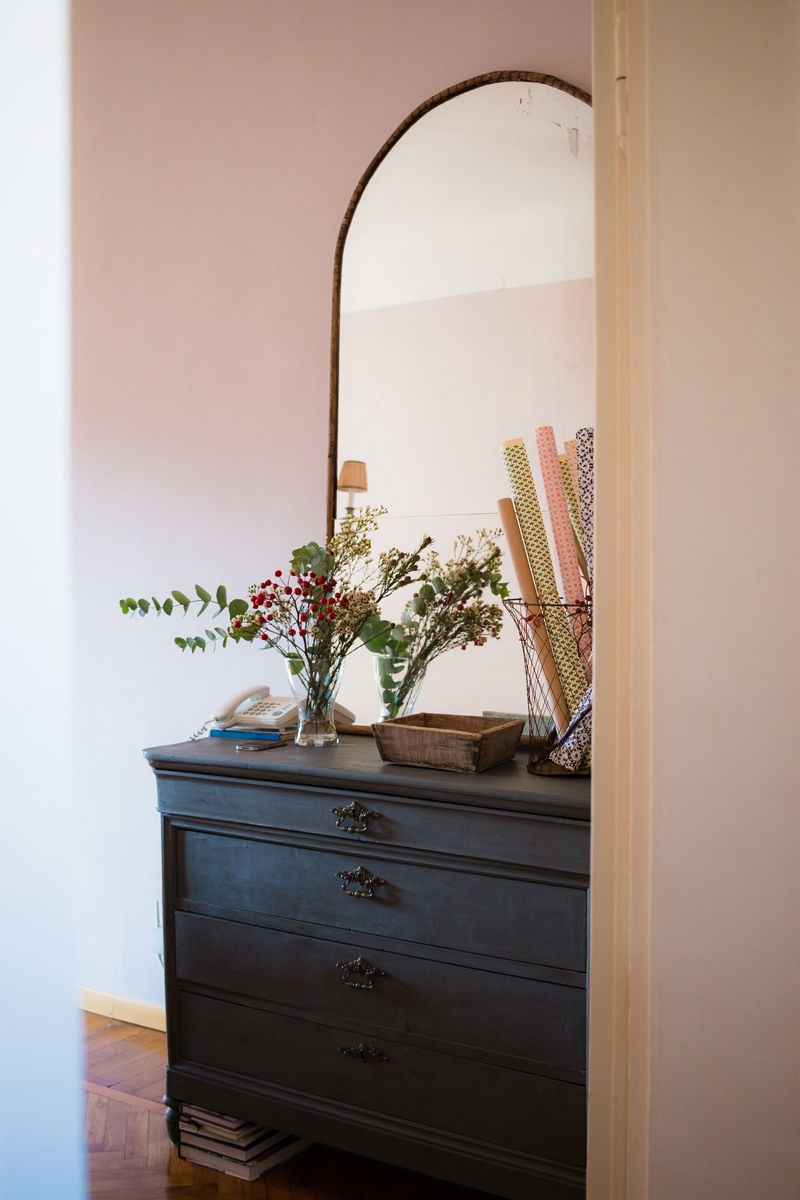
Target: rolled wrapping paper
<point>572,498</point>
<point>585,453</point>
<point>529,514</point>
<point>527,590</point>
<point>571,451</point>
<point>574,750</point>
<point>560,521</point>
<point>564,538</point>
<point>575,517</point>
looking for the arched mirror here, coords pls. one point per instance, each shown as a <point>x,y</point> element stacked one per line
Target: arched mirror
<point>463,318</point>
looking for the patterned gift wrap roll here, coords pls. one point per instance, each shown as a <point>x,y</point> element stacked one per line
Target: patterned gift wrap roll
<point>538,629</point>
<point>572,498</point>
<point>526,503</point>
<point>585,450</point>
<point>564,537</point>
<point>574,515</point>
<point>576,750</point>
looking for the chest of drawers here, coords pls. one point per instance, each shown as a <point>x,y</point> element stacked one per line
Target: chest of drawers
<point>388,960</point>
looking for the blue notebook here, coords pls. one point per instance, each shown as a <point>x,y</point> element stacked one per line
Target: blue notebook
<point>259,735</point>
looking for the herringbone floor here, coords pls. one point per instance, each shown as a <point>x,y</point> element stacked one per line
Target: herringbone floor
<point>131,1157</point>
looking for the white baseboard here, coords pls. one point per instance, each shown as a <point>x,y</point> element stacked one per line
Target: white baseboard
<point>123,1008</point>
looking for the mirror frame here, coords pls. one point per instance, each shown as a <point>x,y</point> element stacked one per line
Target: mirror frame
<point>440,98</point>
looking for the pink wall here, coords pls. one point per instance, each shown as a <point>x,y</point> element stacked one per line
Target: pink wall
<point>216,146</point>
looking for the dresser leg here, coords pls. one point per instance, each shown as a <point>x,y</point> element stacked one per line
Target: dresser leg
<point>172,1118</point>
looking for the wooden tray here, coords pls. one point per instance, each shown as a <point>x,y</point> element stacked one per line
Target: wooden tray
<point>447,742</point>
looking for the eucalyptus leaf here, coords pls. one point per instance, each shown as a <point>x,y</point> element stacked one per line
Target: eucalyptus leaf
<point>438,585</point>
<point>237,608</point>
<point>131,603</point>
<point>202,593</point>
<point>124,606</point>
<point>295,665</point>
<point>168,606</point>
<point>144,606</point>
<point>419,606</point>
<point>179,641</point>
<point>156,605</point>
<point>222,597</point>
<point>184,600</point>
<point>427,592</point>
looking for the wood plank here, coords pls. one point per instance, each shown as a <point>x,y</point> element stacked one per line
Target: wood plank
<point>136,1131</point>
<point>153,1092</point>
<point>276,1183</point>
<point>96,1110</point>
<point>158,1144</point>
<point>115,1073</point>
<point>94,1021</point>
<point>109,1037</point>
<point>123,1097</point>
<point>153,1073</point>
<point>126,1048</point>
<point>116,1121</point>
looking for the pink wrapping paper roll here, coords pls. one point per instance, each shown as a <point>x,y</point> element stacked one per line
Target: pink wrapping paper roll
<point>559,515</point>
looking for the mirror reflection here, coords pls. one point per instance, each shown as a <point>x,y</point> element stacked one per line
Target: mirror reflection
<point>466,320</point>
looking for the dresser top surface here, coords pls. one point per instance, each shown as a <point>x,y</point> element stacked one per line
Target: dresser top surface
<point>355,765</point>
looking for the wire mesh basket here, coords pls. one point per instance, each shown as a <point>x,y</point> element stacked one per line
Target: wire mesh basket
<point>559,715</point>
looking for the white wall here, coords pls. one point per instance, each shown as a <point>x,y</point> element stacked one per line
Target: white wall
<point>216,148</point>
<point>725,123</point>
<point>40,1111</point>
<point>715,205</point>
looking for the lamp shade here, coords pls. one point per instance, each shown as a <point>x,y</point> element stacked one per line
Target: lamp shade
<point>353,477</point>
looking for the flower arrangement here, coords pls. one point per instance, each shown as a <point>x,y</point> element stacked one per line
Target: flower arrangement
<point>314,615</point>
<point>328,603</point>
<point>447,612</point>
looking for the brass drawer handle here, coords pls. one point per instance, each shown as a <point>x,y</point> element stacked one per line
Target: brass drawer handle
<point>365,1053</point>
<point>359,966</point>
<point>357,813</point>
<point>363,878</point>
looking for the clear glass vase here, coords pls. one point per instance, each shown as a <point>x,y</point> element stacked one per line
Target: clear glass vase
<point>314,690</point>
<point>399,683</point>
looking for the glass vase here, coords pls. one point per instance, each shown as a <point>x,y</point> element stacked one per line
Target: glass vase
<point>399,683</point>
<point>314,690</point>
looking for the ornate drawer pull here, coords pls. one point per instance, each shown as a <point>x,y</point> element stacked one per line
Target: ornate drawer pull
<point>354,812</point>
<point>359,966</point>
<point>362,877</point>
<point>365,1053</point>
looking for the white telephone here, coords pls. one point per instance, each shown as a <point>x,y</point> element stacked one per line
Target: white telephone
<point>254,708</point>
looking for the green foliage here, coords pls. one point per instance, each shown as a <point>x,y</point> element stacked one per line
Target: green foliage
<point>313,557</point>
<point>235,609</point>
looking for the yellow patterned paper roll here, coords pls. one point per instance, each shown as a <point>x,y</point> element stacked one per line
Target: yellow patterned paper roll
<point>529,514</point>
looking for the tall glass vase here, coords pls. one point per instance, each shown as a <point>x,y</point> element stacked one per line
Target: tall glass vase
<point>314,690</point>
<point>399,683</point>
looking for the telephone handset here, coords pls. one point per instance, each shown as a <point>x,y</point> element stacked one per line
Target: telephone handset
<point>255,708</point>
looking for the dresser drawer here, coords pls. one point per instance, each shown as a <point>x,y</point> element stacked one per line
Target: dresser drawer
<point>552,843</point>
<point>487,914</point>
<point>530,1113</point>
<point>541,1022</point>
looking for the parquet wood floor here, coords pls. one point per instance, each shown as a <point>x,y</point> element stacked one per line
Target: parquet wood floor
<point>130,1156</point>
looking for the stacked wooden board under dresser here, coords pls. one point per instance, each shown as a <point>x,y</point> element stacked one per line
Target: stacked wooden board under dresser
<point>386,959</point>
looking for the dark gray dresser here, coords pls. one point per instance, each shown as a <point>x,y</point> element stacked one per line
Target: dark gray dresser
<point>386,959</point>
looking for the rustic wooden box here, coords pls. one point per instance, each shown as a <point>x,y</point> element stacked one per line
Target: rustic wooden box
<point>447,742</point>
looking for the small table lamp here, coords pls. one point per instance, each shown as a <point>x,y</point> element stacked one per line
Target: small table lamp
<point>352,478</point>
